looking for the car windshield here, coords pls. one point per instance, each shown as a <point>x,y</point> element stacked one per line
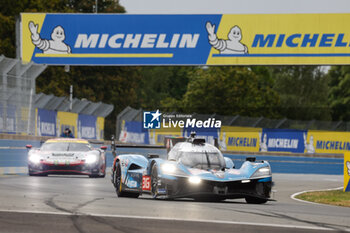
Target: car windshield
<point>202,160</point>
<point>65,146</point>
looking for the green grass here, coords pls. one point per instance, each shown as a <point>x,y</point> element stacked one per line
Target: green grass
<point>334,197</point>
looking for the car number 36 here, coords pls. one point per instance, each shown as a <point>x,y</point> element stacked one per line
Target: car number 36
<point>146,183</point>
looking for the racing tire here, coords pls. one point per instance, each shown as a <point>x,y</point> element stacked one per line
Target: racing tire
<point>104,170</point>
<point>154,181</point>
<point>155,186</point>
<point>255,200</point>
<point>117,178</point>
<point>35,174</point>
<point>262,190</point>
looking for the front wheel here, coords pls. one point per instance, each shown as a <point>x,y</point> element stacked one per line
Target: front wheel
<point>117,178</point>
<point>154,181</point>
<point>262,190</point>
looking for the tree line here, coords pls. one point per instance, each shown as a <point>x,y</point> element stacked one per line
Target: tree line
<point>294,92</point>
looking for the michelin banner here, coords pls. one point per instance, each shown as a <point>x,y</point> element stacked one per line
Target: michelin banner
<point>10,126</point>
<point>244,39</point>
<point>131,132</point>
<point>67,120</point>
<point>87,126</point>
<point>243,139</point>
<point>46,123</point>
<point>100,128</point>
<point>347,172</point>
<point>326,142</point>
<point>282,140</point>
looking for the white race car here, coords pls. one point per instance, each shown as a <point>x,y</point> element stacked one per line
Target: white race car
<point>67,156</point>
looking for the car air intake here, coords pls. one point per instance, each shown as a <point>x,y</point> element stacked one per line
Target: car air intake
<point>198,141</point>
<point>250,159</point>
<point>134,167</point>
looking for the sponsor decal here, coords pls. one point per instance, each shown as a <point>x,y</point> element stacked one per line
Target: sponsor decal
<point>332,145</point>
<point>242,142</point>
<point>47,128</point>
<point>146,183</point>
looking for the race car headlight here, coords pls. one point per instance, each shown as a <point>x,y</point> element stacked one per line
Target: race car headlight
<point>264,171</point>
<point>168,168</point>
<point>194,180</point>
<point>91,159</point>
<point>34,158</point>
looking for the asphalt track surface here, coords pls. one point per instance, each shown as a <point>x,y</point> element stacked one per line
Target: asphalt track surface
<point>81,204</point>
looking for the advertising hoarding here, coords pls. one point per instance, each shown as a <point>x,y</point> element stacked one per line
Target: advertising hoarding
<point>241,39</point>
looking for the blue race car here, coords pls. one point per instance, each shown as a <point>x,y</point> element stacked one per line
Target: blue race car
<point>193,169</point>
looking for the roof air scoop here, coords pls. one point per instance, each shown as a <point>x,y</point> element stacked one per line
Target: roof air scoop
<point>198,141</point>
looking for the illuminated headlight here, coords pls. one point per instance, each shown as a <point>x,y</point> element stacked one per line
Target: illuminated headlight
<point>34,158</point>
<point>194,180</point>
<point>264,171</point>
<point>168,168</point>
<point>91,159</point>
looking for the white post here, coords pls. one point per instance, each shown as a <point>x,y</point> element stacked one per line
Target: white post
<point>71,98</point>
<point>30,110</point>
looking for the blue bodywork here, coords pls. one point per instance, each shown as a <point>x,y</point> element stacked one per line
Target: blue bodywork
<point>174,179</point>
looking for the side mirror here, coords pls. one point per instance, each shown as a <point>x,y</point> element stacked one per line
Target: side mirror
<point>103,147</point>
<point>29,146</point>
<point>229,163</point>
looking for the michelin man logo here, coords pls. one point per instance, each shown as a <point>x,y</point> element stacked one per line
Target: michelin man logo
<point>348,166</point>
<point>151,120</point>
<point>263,142</point>
<point>232,45</point>
<point>222,142</point>
<point>310,149</point>
<point>54,46</point>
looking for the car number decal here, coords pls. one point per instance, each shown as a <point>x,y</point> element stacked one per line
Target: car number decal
<point>146,183</point>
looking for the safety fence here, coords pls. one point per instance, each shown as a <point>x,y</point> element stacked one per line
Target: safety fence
<point>23,112</point>
<point>17,85</point>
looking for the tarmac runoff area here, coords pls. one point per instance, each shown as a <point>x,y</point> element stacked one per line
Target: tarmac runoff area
<point>81,204</point>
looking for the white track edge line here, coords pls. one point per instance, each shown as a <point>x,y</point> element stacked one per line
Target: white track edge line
<point>293,196</point>
<point>174,219</point>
